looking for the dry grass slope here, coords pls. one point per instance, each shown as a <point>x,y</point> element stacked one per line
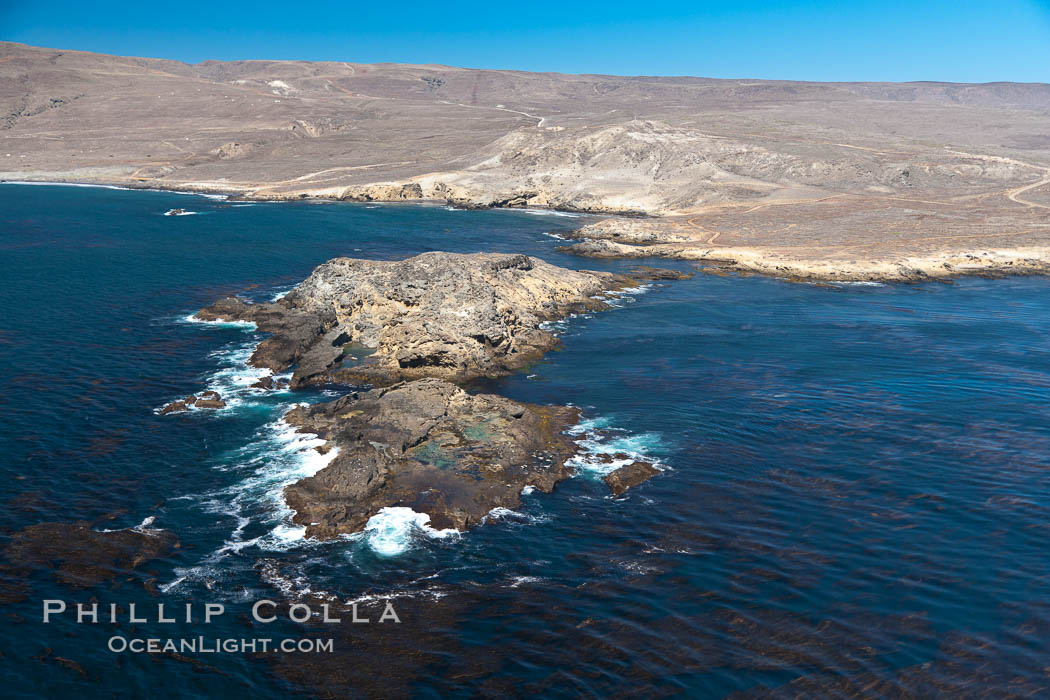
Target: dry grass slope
<point>846,180</point>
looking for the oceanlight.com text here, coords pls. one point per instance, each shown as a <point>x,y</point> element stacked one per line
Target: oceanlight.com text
<point>204,645</point>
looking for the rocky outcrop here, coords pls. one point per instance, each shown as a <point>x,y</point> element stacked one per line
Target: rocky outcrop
<point>207,399</point>
<point>383,192</point>
<point>294,332</point>
<point>445,315</point>
<point>430,446</point>
<point>629,476</point>
<point>234,149</point>
<point>794,265</point>
<point>268,382</point>
<point>411,328</point>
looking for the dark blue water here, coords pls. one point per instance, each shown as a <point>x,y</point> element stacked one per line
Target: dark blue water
<point>855,498</point>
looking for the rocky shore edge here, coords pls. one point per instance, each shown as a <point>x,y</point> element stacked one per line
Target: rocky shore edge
<point>406,334</point>
<point>451,195</point>
<point>625,239</point>
<point>635,233</point>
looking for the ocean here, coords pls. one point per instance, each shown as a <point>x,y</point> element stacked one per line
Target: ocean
<point>854,499</point>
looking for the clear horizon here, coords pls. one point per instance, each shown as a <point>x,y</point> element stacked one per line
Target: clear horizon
<point>818,41</point>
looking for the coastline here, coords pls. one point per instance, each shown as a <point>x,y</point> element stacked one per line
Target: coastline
<point>638,235</point>
<point>784,264</point>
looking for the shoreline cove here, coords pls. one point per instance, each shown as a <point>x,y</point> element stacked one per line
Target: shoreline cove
<point>617,237</point>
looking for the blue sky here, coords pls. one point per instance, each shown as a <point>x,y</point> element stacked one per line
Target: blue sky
<point>964,40</point>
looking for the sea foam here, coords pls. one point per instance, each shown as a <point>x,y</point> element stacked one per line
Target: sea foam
<point>392,530</point>
<point>599,441</point>
<point>218,323</point>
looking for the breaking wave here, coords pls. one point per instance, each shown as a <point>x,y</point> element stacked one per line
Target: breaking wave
<point>392,530</point>
<point>219,323</point>
<point>605,448</point>
<point>262,519</point>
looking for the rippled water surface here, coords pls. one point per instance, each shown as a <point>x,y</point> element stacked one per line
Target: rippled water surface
<point>855,496</point>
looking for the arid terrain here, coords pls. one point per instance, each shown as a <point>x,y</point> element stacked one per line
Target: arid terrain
<point>826,180</point>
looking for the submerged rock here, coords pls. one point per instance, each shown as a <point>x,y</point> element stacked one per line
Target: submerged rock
<point>429,446</point>
<point>82,557</point>
<point>446,315</point>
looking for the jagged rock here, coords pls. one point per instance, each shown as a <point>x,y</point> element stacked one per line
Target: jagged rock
<point>174,407</point>
<point>82,557</point>
<point>293,331</point>
<point>430,446</point>
<point>268,382</point>
<point>629,476</point>
<point>207,399</point>
<point>659,273</point>
<point>437,314</point>
<point>599,248</point>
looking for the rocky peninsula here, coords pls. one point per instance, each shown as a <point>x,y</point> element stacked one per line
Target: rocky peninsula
<point>870,253</point>
<point>413,329</point>
<point>445,315</point>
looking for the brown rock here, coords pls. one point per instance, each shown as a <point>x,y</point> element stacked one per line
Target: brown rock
<point>210,403</point>
<point>443,315</point>
<point>383,192</point>
<point>430,446</point>
<point>174,407</point>
<point>629,476</point>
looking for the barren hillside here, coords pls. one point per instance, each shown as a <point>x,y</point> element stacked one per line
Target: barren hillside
<point>812,170</point>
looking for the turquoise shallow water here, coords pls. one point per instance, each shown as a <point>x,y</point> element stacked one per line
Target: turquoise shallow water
<point>855,494</point>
